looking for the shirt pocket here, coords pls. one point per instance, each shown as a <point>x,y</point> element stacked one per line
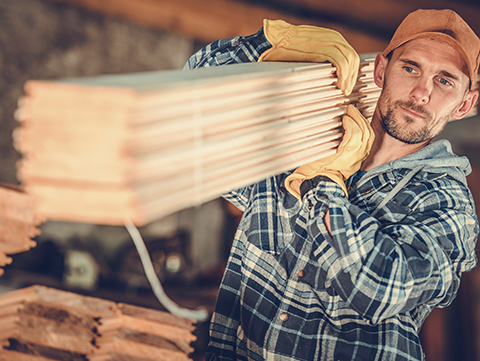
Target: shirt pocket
<point>260,230</point>
<point>268,225</point>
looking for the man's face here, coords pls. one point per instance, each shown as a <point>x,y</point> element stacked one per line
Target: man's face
<point>423,86</point>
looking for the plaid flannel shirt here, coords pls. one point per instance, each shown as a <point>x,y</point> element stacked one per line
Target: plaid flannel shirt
<point>293,292</point>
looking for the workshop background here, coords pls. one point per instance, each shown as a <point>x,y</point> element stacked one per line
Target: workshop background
<point>52,39</point>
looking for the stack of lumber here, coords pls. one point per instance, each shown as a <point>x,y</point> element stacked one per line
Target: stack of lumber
<point>141,146</point>
<point>19,223</point>
<point>42,324</point>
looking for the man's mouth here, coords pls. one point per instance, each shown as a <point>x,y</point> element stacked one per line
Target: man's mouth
<point>413,113</point>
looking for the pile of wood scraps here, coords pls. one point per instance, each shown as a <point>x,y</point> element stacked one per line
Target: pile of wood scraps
<point>19,223</point>
<point>141,146</point>
<point>43,324</point>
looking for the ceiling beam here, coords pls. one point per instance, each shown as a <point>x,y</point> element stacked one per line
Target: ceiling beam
<point>209,20</point>
<point>382,15</point>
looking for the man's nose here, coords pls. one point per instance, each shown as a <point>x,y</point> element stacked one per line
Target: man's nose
<point>421,91</point>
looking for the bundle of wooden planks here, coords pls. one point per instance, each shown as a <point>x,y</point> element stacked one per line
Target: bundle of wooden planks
<point>43,324</point>
<point>140,146</point>
<point>19,223</point>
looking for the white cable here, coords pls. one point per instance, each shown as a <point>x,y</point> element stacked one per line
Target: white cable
<point>198,315</point>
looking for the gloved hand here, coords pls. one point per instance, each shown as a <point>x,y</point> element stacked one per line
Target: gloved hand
<point>312,44</point>
<point>351,152</point>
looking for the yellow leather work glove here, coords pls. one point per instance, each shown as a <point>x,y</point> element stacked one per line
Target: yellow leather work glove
<point>354,148</point>
<point>306,43</point>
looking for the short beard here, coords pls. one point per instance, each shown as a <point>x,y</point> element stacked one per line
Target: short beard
<point>402,133</point>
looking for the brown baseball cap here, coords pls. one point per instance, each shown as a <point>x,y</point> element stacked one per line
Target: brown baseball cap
<point>444,25</point>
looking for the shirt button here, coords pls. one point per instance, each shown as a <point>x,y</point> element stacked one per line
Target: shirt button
<point>367,190</point>
<point>301,273</point>
<point>283,190</point>
<point>284,316</point>
<point>309,207</point>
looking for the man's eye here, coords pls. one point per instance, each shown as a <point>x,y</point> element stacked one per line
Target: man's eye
<point>444,81</point>
<point>409,69</point>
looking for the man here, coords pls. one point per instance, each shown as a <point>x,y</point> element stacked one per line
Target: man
<point>333,262</point>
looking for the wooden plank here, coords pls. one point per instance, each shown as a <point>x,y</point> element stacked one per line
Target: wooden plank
<point>60,316</point>
<point>128,335</point>
<point>142,351</point>
<point>7,355</point>
<point>49,353</point>
<point>53,338</point>
<point>7,310</point>
<point>9,327</point>
<point>18,296</point>
<point>169,332</point>
<point>20,222</point>
<point>62,121</point>
<point>155,316</point>
<point>75,304</point>
<point>81,203</point>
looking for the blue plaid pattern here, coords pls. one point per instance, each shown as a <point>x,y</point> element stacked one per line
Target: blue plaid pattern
<point>293,292</point>
<point>241,49</point>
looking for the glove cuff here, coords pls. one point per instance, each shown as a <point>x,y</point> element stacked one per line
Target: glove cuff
<point>294,182</point>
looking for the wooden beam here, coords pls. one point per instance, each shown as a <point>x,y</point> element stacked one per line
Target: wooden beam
<point>384,15</point>
<point>209,20</point>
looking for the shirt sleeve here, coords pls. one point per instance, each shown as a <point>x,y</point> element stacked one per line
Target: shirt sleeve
<point>241,49</point>
<point>413,252</point>
<point>239,197</point>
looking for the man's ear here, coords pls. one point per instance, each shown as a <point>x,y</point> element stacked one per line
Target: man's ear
<point>379,72</point>
<point>467,105</point>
